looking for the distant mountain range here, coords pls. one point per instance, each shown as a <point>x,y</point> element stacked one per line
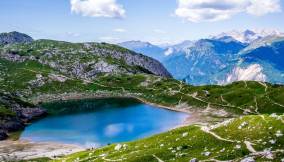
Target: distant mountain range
<point>232,56</point>
<point>248,36</point>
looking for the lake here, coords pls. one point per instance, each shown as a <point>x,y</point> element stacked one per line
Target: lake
<point>98,122</point>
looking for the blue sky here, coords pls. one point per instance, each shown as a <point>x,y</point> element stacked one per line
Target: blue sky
<point>157,21</point>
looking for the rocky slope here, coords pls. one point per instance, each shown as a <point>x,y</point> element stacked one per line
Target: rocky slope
<point>83,60</point>
<point>14,37</point>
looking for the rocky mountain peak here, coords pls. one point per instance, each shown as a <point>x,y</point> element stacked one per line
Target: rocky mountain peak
<point>248,36</point>
<point>14,37</point>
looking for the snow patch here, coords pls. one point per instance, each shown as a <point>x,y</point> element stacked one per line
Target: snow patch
<point>169,51</point>
<point>253,72</point>
<point>248,36</point>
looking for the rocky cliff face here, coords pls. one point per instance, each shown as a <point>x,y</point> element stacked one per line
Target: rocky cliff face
<point>15,113</point>
<point>14,37</point>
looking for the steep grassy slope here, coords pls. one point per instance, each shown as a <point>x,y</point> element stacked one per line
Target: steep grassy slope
<point>251,137</point>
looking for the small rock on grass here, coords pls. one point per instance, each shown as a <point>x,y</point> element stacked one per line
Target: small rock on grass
<point>118,147</point>
<point>248,159</point>
<point>193,160</point>
<point>184,134</point>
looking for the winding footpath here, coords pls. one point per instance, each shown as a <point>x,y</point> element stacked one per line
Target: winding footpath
<point>207,130</point>
<point>159,160</point>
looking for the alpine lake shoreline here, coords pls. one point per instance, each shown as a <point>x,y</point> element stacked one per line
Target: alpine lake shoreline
<point>51,150</point>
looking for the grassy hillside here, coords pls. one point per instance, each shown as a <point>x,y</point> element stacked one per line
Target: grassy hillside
<point>257,137</point>
<point>47,70</point>
<point>236,99</point>
<point>40,83</point>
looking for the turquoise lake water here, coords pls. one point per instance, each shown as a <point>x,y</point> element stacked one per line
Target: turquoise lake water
<point>98,122</point>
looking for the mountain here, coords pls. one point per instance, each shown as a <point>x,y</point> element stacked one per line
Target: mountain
<point>84,60</point>
<point>32,67</point>
<point>248,36</point>
<point>14,37</point>
<point>145,48</point>
<point>261,62</point>
<point>223,59</point>
<point>178,48</point>
<point>198,63</point>
<point>272,54</point>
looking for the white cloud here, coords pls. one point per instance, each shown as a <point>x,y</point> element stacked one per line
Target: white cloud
<point>262,7</point>
<point>214,10</point>
<point>120,30</point>
<point>98,8</point>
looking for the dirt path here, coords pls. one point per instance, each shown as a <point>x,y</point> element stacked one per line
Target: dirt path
<point>194,95</point>
<point>159,160</point>
<point>207,130</point>
<point>256,105</point>
<point>249,146</point>
<point>265,86</point>
<point>223,100</point>
<point>246,85</point>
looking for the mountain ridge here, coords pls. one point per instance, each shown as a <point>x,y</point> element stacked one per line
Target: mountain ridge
<point>145,48</point>
<point>196,62</point>
<point>115,59</point>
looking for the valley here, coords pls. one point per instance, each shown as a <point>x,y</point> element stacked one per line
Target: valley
<point>45,71</point>
<point>141,81</point>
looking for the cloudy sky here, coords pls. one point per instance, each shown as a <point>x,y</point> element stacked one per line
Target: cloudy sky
<point>157,21</point>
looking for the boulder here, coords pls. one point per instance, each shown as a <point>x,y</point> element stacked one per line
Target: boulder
<point>3,135</point>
